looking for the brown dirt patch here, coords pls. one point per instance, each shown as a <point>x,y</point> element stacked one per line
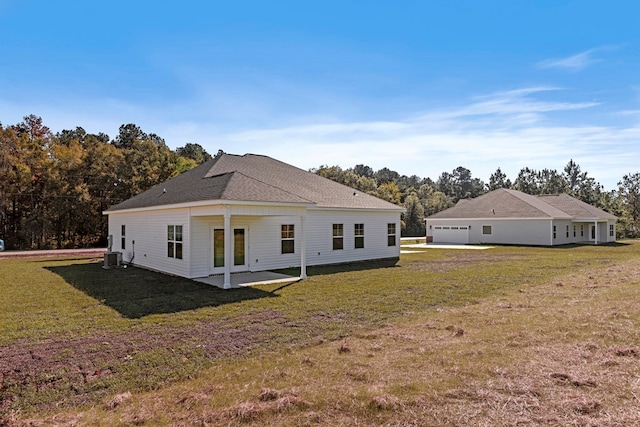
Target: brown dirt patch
<point>57,253</point>
<point>74,362</point>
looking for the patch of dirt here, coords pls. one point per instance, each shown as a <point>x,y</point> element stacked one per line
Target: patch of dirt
<point>72,363</point>
<point>54,253</point>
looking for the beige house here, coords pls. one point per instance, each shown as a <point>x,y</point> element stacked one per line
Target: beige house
<point>251,213</point>
<point>512,217</point>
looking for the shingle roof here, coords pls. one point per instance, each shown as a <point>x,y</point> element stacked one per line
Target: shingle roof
<point>253,178</point>
<point>576,208</point>
<point>504,203</point>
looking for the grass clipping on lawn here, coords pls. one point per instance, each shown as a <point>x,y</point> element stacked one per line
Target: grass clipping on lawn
<point>562,353</point>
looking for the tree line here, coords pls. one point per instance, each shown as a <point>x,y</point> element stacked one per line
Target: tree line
<point>422,197</point>
<point>54,187</point>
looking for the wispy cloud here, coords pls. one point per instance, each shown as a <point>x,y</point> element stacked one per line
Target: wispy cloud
<point>514,103</point>
<point>507,130</point>
<point>575,62</point>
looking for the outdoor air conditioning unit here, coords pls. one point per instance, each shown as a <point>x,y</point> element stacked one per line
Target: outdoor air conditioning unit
<point>112,259</point>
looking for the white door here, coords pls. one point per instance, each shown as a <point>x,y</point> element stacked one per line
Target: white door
<point>239,256</point>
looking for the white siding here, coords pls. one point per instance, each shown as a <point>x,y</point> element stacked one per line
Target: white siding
<point>519,231</point>
<point>564,232</point>
<point>509,232</point>
<point>263,226</point>
<point>264,234</point>
<point>319,225</point>
<point>149,231</point>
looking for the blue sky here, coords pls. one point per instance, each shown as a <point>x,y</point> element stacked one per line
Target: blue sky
<point>420,87</point>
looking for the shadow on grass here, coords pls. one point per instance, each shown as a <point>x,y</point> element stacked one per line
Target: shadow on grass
<point>319,270</point>
<point>590,245</point>
<point>563,246</point>
<point>136,293</point>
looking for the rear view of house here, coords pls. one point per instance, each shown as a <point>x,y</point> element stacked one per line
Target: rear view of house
<point>512,217</point>
<point>251,213</point>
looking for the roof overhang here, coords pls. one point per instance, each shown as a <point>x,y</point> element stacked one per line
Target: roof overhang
<point>493,218</point>
<point>399,209</point>
<point>206,203</point>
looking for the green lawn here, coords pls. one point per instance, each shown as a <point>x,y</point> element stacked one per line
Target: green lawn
<point>73,333</point>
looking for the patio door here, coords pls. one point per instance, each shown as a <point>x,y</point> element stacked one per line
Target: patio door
<point>238,250</point>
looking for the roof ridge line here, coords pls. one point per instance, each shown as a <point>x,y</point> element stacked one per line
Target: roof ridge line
<point>270,185</point>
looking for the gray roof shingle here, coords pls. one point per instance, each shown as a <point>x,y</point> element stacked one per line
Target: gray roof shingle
<point>504,203</point>
<point>253,178</point>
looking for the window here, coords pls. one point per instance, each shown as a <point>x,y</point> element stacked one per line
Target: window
<point>123,240</point>
<point>582,230</point>
<point>612,231</point>
<point>486,229</point>
<point>567,231</point>
<point>288,239</point>
<point>358,232</point>
<point>391,234</point>
<point>574,231</point>
<point>554,231</point>
<point>338,237</point>
<point>174,241</point>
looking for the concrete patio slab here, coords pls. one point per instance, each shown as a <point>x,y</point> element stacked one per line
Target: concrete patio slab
<point>239,280</point>
<point>445,246</point>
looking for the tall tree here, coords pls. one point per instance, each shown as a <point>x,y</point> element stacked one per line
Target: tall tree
<point>128,134</point>
<point>33,127</point>
<point>459,184</point>
<point>498,179</point>
<point>527,181</point>
<point>629,191</point>
<point>413,217</point>
<point>582,186</point>
<point>194,152</point>
<point>551,182</point>
<point>572,174</point>
<point>390,192</point>
<point>363,170</point>
<point>386,175</point>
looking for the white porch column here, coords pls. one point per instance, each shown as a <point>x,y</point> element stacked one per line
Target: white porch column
<point>596,232</point>
<point>303,249</point>
<point>228,242</point>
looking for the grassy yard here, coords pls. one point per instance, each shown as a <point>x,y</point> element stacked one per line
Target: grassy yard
<point>507,335</point>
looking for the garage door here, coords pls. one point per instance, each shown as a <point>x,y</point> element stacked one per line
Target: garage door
<point>450,234</point>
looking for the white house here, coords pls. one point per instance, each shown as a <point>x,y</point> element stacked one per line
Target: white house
<point>512,217</point>
<point>251,213</point>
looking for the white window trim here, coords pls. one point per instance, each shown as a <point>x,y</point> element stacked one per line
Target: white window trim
<point>175,242</point>
<point>292,239</point>
<point>334,237</point>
